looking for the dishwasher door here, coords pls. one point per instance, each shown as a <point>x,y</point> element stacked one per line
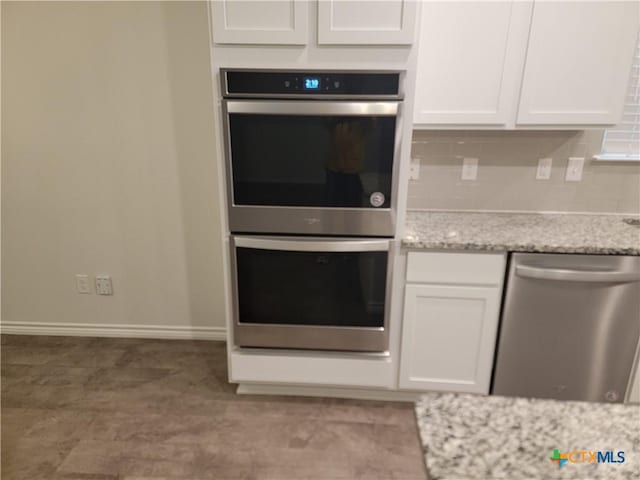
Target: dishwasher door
<point>570,327</point>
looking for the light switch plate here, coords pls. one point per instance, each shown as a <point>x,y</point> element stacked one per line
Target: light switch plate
<point>82,283</point>
<point>469,169</point>
<point>574,169</point>
<point>544,169</point>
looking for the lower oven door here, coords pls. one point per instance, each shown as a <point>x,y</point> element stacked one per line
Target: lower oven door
<point>308,293</point>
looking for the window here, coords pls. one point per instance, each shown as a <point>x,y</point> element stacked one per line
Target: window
<point>622,142</point>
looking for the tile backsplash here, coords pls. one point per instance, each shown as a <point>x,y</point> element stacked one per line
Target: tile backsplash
<point>507,165</point>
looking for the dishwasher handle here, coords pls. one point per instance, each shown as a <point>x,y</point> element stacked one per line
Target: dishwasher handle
<point>561,274</point>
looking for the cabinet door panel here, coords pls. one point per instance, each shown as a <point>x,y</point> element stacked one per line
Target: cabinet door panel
<point>470,59</point>
<point>366,22</point>
<point>448,338</point>
<point>578,62</point>
<point>276,22</point>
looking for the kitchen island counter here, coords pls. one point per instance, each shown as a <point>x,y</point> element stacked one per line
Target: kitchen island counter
<point>467,436</point>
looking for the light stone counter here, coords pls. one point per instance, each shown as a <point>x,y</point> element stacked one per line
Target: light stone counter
<point>522,232</point>
<point>476,437</point>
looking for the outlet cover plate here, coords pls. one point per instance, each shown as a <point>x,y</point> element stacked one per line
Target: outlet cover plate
<point>469,169</point>
<point>414,169</point>
<point>574,169</point>
<point>103,285</point>
<point>544,169</point>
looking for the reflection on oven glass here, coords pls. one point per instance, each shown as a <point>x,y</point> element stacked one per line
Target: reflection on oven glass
<point>309,161</point>
<point>311,288</point>
<point>346,163</point>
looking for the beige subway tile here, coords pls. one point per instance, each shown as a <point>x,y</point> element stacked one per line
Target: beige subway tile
<point>438,160</point>
<point>605,181</point>
<point>629,204</point>
<point>597,205</point>
<point>591,138</point>
<point>631,182</point>
<point>463,148</point>
<point>438,135</point>
<point>430,148</point>
<point>629,200</point>
<point>556,149</point>
<point>483,136</point>
<point>507,167</point>
<point>416,202</point>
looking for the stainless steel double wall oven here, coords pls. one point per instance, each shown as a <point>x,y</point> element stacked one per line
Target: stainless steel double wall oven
<point>311,162</point>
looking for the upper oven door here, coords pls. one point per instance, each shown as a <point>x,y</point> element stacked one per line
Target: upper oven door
<point>325,160</point>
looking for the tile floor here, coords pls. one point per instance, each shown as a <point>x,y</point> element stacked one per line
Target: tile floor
<point>106,409</point>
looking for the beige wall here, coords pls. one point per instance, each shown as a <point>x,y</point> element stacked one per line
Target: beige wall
<point>507,173</point>
<point>109,164</point>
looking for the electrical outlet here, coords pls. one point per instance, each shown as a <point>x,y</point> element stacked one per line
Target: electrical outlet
<point>414,169</point>
<point>103,285</point>
<point>574,169</point>
<point>469,169</point>
<point>544,169</point>
<point>82,283</point>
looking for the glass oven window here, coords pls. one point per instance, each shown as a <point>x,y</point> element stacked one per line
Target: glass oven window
<point>345,289</point>
<point>312,161</point>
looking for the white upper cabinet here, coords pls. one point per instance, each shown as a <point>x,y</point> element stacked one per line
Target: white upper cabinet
<point>523,64</point>
<point>260,22</point>
<point>362,22</point>
<point>470,62</point>
<point>578,63</point>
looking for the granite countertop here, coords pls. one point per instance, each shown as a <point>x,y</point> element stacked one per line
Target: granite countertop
<point>468,436</point>
<point>522,232</point>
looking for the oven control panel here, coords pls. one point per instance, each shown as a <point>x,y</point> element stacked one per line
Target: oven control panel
<point>241,83</point>
<point>315,83</point>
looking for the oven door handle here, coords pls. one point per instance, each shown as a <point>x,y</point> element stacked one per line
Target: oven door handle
<point>302,244</point>
<point>274,107</point>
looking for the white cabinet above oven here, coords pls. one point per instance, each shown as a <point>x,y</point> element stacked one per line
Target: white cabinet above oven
<point>339,22</point>
<point>279,22</point>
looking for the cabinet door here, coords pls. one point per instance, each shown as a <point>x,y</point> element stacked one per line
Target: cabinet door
<point>275,22</point>
<point>366,22</point>
<point>470,60</point>
<point>448,338</point>
<point>578,62</point>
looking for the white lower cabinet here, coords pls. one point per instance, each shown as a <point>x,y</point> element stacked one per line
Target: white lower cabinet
<point>449,330</point>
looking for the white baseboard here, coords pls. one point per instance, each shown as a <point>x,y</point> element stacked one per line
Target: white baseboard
<point>117,330</point>
<point>303,391</point>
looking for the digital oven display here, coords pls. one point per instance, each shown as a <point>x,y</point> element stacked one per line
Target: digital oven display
<point>311,83</point>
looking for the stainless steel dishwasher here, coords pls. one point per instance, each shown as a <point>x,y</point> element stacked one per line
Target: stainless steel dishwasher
<point>570,327</point>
